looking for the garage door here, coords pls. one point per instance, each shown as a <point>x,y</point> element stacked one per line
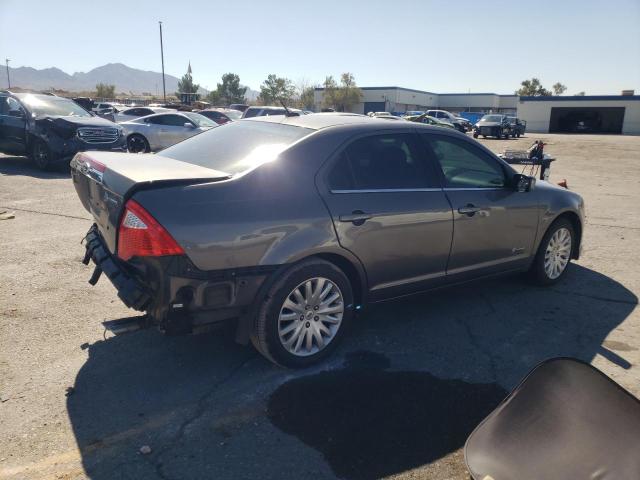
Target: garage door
<point>374,107</point>
<point>586,119</point>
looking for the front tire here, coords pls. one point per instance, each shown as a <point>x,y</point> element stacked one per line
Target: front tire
<point>304,315</point>
<point>554,253</point>
<point>475,135</point>
<point>41,155</point>
<point>136,143</point>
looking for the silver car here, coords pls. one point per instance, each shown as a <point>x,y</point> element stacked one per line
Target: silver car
<point>128,114</point>
<point>161,130</point>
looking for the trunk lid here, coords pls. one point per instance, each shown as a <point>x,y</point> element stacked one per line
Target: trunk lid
<point>104,182</point>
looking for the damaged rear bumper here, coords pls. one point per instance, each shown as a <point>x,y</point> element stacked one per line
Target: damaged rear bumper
<point>177,297</point>
<point>130,291</point>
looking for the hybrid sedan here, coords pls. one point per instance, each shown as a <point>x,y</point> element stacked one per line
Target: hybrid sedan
<point>160,130</point>
<point>288,225</point>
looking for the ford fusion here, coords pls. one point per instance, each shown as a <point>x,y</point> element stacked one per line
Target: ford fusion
<point>287,225</point>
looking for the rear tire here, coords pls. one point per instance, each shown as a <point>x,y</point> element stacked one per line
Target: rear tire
<point>292,318</point>
<point>475,135</point>
<point>554,253</point>
<point>136,143</point>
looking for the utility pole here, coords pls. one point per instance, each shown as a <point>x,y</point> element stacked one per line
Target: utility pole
<point>164,88</point>
<point>6,61</point>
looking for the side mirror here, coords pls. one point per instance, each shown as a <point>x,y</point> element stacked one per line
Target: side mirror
<point>523,183</point>
<point>189,125</point>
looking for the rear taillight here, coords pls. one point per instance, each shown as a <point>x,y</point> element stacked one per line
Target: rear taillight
<point>140,235</point>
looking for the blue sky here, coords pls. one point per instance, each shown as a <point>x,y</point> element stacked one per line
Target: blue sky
<point>440,46</point>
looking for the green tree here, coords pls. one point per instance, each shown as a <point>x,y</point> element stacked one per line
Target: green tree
<point>330,96</point>
<point>276,89</point>
<point>229,91</point>
<point>186,85</point>
<point>105,91</point>
<point>579,94</point>
<point>559,88</point>
<point>532,88</point>
<point>344,96</point>
<point>307,98</point>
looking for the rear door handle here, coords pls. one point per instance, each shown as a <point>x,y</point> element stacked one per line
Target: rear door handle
<point>357,217</point>
<point>470,210</point>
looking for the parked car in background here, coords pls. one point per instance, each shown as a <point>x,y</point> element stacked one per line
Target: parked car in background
<point>136,112</point>
<point>458,122</point>
<point>428,120</point>
<point>266,111</point>
<point>161,130</point>
<point>289,224</point>
<point>221,115</point>
<point>493,125</point>
<point>51,129</point>
<point>518,126</point>
<point>238,106</point>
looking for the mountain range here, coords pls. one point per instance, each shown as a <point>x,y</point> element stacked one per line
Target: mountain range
<point>126,80</point>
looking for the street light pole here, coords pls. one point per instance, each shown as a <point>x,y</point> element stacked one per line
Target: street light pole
<point>6,61</point>
<point>164,88</point>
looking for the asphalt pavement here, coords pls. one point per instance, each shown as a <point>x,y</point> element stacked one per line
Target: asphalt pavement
<point>397,400</point>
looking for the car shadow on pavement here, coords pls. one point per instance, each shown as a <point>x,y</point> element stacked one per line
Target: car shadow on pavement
<point>411,381</point>
<point>25,167</point>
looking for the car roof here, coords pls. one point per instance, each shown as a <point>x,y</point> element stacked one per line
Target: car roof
<point>318,121</point>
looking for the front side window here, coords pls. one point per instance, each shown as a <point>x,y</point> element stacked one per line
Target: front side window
<point>174,120</point>
<point>381,162</point>
<point>251,112</point>
<point>464,165</point>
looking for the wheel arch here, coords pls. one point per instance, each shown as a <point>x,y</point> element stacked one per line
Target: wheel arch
<point>577,228</point>
<point>351,267</point>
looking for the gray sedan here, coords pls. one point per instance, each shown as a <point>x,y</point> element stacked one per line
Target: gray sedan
<point>161,130</point>
<point>288,225</point>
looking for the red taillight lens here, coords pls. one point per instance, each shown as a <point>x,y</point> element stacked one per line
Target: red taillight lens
<point>142,236</point>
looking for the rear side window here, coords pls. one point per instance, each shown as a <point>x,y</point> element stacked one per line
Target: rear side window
<point>251,112</point>
<point>464,165</point>
<point>381,162</point>
<point>236,147</point>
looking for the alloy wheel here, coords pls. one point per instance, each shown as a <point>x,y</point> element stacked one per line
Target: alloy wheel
<point>558,253</point>
<point>310,316</point>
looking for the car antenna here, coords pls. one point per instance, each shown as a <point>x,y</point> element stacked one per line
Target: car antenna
<point>288,112</point>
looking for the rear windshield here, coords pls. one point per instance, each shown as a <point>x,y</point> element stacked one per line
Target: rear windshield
<point>492,118</point>
<point>236,147</point>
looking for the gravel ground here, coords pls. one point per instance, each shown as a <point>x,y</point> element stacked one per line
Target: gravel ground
<point>396,401</point>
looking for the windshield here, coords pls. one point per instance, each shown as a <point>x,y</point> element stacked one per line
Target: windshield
<point>200,120</point>
<point>491,118</point>
<point>46,106</point>
<point>236,147</point>
<point>233,114</point>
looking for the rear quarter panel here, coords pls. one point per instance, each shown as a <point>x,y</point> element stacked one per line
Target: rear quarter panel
<point>272,215</point>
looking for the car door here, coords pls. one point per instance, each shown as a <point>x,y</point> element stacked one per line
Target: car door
<point>173,130</point>
<point>12,126</point>
<point>389,209</point>
<point>494,225</point>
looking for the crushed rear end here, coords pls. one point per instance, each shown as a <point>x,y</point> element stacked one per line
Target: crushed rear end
<point>148,268</point>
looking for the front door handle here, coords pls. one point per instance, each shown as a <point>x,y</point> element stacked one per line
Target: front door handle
<point>469,210</point>
<point>357,217</point>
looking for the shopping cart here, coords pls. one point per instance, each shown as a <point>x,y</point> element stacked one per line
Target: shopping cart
<point>533,160</point>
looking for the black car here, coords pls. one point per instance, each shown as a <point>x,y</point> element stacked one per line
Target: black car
<point>52,129</point>
<point>518,126</point>
<point>493,125</point>
<point>221,115</point>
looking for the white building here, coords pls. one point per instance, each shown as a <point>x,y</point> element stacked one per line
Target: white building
<point>400,100</point>
<point>597,114</point>
<point>604,113</point>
